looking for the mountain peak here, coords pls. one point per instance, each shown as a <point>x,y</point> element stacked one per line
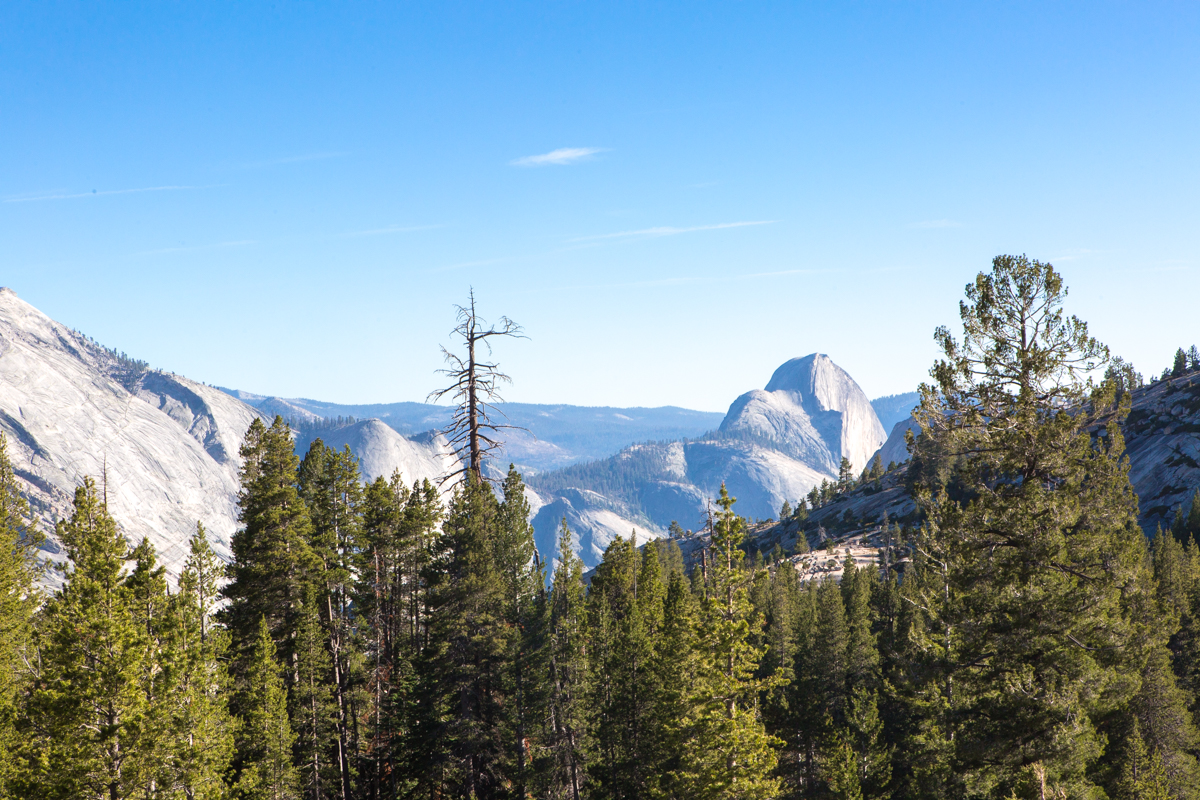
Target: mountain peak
<point>814,411</point>
<point>797,374</point>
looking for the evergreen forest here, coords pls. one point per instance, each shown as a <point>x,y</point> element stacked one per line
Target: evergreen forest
<point>389,640</point>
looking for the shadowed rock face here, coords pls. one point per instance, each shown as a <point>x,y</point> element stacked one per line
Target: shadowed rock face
<point>163,448</point>
<point>813,411</point>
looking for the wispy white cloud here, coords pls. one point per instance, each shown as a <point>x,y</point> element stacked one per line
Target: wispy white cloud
<point>560,157</point>
<point>94,193</point>
<point>649,233</point>
<point>392,229</point>
<point>936,223</point>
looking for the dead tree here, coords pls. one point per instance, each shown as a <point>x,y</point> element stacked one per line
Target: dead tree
<point>471,432</point>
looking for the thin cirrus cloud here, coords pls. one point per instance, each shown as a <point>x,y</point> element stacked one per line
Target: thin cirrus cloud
<point>650,233</point>
<point>560,157</point>
<point>94,193</point>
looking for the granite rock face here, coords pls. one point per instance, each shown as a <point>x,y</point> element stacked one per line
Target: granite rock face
<point>774,444</point>
<point>813,411</point>
<point>163,448</point>
<point>381,451</point>
<point>1162,441</point>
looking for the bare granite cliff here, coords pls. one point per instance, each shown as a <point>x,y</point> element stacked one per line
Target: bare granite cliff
<point>813,411</point>
<point>162,448</point>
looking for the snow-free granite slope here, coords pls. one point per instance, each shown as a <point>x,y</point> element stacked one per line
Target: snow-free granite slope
<point>381,451</point>
<point>773,445</point>
<point>167,445</point>
<point>813,411</point>
<point>164,448</point>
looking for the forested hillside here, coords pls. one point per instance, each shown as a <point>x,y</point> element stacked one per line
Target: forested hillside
<point>1020,638</point>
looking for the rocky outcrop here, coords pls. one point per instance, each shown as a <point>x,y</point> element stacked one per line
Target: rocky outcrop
<point>163,448</point>
<point>813,411</point>
<point>1162,438</point>
<point>895,449</point>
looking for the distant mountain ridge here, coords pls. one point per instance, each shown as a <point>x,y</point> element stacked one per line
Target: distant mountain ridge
<point>774,444</point>
<point>555,435</point>
<point>169,446</point>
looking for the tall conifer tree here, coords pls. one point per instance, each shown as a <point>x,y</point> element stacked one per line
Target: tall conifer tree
<point>329,485</point>
<point>19,570</point>
<point>88,706</point>
<point>730,754</point>
<point>1034,528</point>
<point>461,722</point>
<point>274,563</point>
<point>567,675</point>
<point>267,771</point>
<point>202,729</point>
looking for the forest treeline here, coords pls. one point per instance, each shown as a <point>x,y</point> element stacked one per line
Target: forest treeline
<point>376,642</point>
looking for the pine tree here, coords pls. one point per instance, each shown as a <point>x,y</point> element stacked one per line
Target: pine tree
<point>862,653</point>
<point>876,467</point>
<point>623,618</point>
<point>1035,532</point>
<point>785,511</point>
<point>329,485</point>
<point>566,737</point>
<point>1165,722</point>
<point>862,738</point>
<point>266,738</point>
<point>730,754</point>
<point>673,673</point>
<point>523,587</point>
<point>149,602</point>
<point>461,728</point>
<point>845,480</point>
<point>202,731</point>
<point>88,705</point>
<point>274,564</point>
<point>19,571</point>
<point>313,708</point>
<point>387,595</point>
<point>1180,364</point>
<point>1143,776</point>
<point>839,768</point>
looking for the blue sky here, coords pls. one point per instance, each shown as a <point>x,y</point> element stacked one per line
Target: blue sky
<point>673,199</point>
